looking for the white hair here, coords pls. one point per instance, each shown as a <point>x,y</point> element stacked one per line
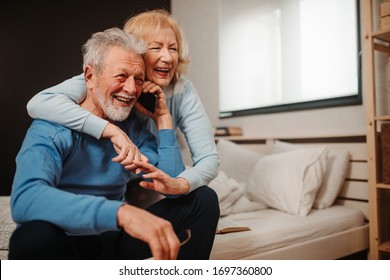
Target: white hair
<point>96,48</point>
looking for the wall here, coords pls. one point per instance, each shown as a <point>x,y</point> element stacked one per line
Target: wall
<point>200,23</point>
<point>41,46</point>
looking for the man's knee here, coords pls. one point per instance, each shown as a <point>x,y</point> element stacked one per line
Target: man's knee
<point>209,199</point>
<point>36,240</point>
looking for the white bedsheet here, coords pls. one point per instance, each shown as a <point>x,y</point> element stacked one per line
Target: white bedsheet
<point>272,229</point>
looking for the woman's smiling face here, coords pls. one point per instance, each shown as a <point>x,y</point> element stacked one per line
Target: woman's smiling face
<point>161,57</point>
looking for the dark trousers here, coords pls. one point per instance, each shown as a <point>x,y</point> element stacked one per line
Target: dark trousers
<point>197,211</point>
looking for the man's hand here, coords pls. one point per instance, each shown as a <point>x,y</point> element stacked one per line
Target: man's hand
<point>162,182</point>
<point>157,232</point>
<point>127,151</point>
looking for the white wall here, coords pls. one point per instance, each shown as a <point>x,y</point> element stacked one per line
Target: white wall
<point>200,24</point>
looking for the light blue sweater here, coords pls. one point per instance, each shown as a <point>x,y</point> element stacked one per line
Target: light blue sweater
<point>184,105</point>
<point>68,178</point>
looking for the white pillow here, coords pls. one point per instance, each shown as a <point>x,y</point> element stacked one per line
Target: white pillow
<point>231,196</point>
<point>236,161</point>
<point>228,191</point>
<point>336,172</point>
<point>289,181</point>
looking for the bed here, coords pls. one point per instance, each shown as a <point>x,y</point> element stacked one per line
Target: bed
<point>312,224</point>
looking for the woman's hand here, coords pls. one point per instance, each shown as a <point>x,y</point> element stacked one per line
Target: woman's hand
<point>161,182</point>
<point>161,115</point>
<point>127,151</point>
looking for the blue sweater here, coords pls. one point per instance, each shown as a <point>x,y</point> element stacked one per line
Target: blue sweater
<point>57,104</point>
<point>68,178</point>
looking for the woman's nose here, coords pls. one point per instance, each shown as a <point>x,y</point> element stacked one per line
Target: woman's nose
<point>166,55</point>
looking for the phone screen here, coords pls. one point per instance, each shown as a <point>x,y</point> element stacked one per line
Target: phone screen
<point>148,100</point>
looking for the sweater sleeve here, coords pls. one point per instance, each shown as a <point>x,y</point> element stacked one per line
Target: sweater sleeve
<point>197,129</point>
<point>59,104</point>
<point>164,153</point>
<point>170,159</point>
<point>35,195</point>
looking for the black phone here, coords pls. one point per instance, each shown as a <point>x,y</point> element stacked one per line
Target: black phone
<point>148,100</point>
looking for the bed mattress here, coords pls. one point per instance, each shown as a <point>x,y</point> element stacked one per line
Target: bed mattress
<point>272,229</point>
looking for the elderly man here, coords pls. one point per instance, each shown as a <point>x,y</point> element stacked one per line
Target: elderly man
<point>67,195</point>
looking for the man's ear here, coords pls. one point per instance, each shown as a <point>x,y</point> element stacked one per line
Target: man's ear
<point>89,77</point>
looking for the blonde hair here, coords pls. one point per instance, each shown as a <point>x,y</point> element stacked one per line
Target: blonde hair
<point>151,22</point>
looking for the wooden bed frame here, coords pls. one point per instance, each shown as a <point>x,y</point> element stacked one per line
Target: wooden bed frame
<point>353,194</point>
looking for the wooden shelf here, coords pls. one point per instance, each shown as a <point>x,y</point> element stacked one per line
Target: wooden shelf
<point>382,118</point>
<point>382,48</point>
<point>383,186</point>
<point>384,41</point>
<point>385,247</point>
<point>379,193</point>
<point>382,35</point>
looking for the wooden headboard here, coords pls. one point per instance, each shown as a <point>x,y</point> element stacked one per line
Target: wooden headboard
<point>355,190</point>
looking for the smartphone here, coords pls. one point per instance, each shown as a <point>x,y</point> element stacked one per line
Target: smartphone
<point>148,100</point>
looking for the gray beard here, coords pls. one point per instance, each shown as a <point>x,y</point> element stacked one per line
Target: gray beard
<point>112,112</point>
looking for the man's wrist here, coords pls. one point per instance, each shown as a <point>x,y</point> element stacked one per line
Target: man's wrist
<point>184,185</point>
<point>118,216</point>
